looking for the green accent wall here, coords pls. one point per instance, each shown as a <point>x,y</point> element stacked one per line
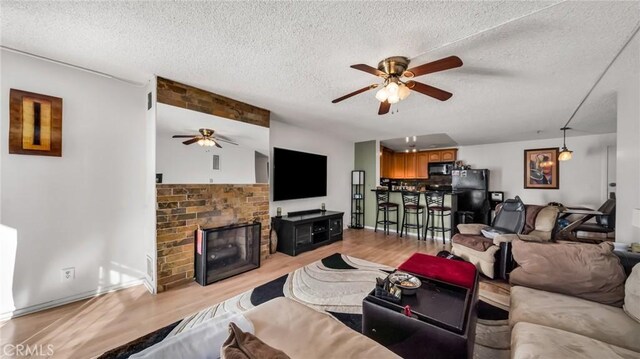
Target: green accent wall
<point>366,157</point>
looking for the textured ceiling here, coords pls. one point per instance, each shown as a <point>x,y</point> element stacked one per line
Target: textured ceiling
<point>520,81</point>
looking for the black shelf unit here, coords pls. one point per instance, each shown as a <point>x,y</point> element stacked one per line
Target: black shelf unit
<point>357,199</point>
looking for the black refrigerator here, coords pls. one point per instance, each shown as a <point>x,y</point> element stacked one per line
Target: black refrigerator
<point>472,189</point>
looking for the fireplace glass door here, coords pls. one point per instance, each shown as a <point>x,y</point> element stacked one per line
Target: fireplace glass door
<point>223,252</point>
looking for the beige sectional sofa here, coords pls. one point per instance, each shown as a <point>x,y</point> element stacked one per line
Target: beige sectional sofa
<point>552,325</point>
<point>302,332</point>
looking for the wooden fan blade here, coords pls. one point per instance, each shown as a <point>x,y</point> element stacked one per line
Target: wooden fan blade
<point>182,136</point>
<point>217,135</point>
<point>429,90</point>
<point>193,140</point>
<point>223,140</point>
<point>384,108</point>
<point>355,93</point>
<point>368,69</point>
<point>215,142</point>
<point>435,66</point>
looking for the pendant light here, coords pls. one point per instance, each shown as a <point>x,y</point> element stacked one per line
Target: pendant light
<point>565,154</point>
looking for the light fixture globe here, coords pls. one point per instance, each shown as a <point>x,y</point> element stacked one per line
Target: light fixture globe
<point>392,88</point>
<point>565,154</point>
<point>403,92</point>
<point>393,98</point>
<point>201,142</point>
<point>382,95</point>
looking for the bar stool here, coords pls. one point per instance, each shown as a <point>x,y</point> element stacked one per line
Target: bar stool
<point>436,208</point>
<point>382,198</point>
<point>411,206</point>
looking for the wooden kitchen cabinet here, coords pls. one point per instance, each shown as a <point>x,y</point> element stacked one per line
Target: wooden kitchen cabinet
<point>434,156</point>
<point>386,162</point>
<point>448,155</point>
<point>397,170</point>
<point>422,165</point>
<point>410,165</point>
<point>402,165</point>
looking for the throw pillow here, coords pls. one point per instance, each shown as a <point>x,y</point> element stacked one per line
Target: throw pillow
<point>582,270</point>
<point>241,345</point>
<point>632,294</point>
<point>471,228</point>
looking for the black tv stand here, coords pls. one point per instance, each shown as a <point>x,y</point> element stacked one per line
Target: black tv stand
<point>303,231</point>
<point>302,213</point>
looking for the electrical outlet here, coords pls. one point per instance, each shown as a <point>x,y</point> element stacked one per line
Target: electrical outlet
<point>68,274</point>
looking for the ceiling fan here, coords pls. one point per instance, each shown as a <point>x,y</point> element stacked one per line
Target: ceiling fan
<point>398,80</point>
<point>205,138</point>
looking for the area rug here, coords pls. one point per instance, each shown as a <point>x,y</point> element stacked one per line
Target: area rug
<point>336,285</point>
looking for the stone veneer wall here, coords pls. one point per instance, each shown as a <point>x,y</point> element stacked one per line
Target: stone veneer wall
<point>181,208</point>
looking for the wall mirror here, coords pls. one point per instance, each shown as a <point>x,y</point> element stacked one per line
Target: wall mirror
<point>218,150</point>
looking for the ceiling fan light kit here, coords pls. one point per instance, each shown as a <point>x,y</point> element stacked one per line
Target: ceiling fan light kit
<point>206,138</point>
<point>398,80</point>
<point>206,142</point>
<point>565,154</point>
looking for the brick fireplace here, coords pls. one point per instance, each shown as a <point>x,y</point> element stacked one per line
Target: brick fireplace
<point>181,208</point>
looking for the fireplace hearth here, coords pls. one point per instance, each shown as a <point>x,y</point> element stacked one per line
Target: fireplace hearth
<point>223,252</point>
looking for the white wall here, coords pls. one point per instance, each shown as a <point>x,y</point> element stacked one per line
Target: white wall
<point>340,158</point>
<point>194,164</point>
<point>89,208</point>
<point>583,179</point>
<point>626,72</point>
<point>8,247</point>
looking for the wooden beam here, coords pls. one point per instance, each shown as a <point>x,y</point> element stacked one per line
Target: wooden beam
<point>180,95</point>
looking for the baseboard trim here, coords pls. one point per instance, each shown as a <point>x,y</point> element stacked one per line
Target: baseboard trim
<point>147,283</point>
<point>70,299</point>
<point>408,234</point>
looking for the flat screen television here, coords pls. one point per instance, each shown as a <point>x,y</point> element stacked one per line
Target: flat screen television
<point>298,174</point>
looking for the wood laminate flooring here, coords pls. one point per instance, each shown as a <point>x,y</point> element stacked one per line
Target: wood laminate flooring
<point>90,327</point>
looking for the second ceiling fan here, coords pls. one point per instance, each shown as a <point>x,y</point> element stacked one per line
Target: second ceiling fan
<point>206,137</point>
<point>398,80</point>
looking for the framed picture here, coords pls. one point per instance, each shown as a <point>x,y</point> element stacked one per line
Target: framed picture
<point>541,168</point>
<point>35,124</point>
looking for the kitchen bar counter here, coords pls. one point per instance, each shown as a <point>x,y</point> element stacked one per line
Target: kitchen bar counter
<point>450,200</point>
<point>445,191</point>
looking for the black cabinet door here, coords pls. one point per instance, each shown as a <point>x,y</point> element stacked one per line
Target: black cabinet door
<point>335,226</point>
<point>303,234</point>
